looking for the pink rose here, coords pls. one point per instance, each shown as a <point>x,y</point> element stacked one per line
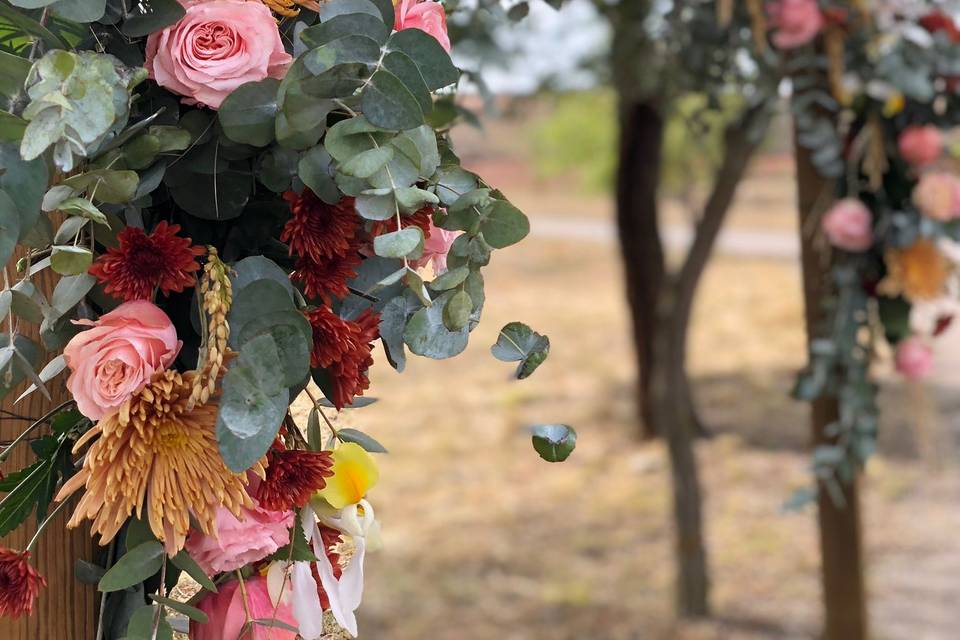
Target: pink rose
<point>227,614</point>
<point>921,146</point>
<point>914,358</point>
<point>216,47</point>
<point>425,15</point>
<point>937,195</point>
<point>797,22</point>
<point>118,355</point>
<point>258,534</point>
<point>847,225</point>
<point>436,248</point>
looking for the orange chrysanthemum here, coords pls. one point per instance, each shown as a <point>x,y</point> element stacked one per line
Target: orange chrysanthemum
<point>918,272</point>
<point>19,583</point>
<point>142,263</point>
<point>157,453</point>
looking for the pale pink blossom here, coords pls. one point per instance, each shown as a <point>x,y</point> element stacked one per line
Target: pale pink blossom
<point>797,22</point>
<point>118,355</point>
<point>216,47</point>
<point>937,196</point>
<point>258,533</point>
<point>228,615</point>
<point>436,247</point>
<point>847,225</point>
<point>425,15</point>
<point>920,145</point>
<point>914,358</point>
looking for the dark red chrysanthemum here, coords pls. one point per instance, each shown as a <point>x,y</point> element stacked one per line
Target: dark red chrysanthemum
<point>420,218</point>
<point>342,348</point>
<point>292,477</point>
<point>317,230</point>
<point>327,279</point>
<point>19,583</point>
<point>143,263</point>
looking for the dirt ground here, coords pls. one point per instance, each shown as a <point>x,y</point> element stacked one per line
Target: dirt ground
<point>484,541</point>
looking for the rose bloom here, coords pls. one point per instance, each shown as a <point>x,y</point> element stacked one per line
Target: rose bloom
<point>937,195</point>
<point>797,22</point>
<point>847,225</point>
<point>919,145</point>
<point>436,247</point>
<point>257,534</point>
<point>118,355</point>
<point>425,15</point>
<point>914,358</point>
<point>228,616</point>
<point>216,47</point>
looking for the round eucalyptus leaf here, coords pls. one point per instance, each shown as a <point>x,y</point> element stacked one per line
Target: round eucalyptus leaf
<point>554,442</point>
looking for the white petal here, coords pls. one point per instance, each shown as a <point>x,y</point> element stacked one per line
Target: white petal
<point>342,613</point>
<point>306,602</point>
<point>351,581</point>
<point>278,582</point>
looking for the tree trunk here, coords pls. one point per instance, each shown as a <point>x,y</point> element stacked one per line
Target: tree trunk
<point>638,177</point>
<point>844,600</point>
<point>65,609</point>
<point>675,414</point>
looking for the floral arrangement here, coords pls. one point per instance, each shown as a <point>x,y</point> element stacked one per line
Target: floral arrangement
<point>240,198</point>
<point>878,122</point>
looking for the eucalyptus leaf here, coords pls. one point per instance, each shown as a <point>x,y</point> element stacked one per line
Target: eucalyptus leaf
<point>554,442</point>
<point>519,343</point>
<point>134,567</point>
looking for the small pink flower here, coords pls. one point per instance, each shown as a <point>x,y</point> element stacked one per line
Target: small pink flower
<point>921,146</point>
<point>914,358</point>
<point>228,615</point>
<point>425,15</point>
<point>436,247</point>
<point>257,534</point>
<point>847,225</point>
<point>216,47</point>
<point>118,355</point>
<point>937,195</point>
<point>797,22</point>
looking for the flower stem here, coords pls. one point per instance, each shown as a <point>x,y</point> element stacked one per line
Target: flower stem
<point>43,525</point>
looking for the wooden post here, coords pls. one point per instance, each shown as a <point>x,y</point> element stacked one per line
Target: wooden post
<point>841,546</point>
<point>66,609</point>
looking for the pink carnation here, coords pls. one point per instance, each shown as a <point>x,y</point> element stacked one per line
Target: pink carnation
<point>937,195</point>
<point>847,225</point>
<point>914,358</point>
<point>425,15</point>
<point>118,355</point>
<point>257,534</point>
<point>228,615</point>
<point>921,146</point>
<point>797,22</point>
<point>436,247</point>
<point>216,47</point>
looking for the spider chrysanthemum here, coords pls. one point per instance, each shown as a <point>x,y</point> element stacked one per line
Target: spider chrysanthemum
<point>918,272</point>
<point>143,263</point>
<point>156,455</point>
<point>19,583</point>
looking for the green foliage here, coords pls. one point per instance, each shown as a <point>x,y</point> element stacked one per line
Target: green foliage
<point>519,343</point>
<point>554,442</point>
<point>135,566</point>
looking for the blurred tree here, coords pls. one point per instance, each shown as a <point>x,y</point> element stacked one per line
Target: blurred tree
<point>661,54</point>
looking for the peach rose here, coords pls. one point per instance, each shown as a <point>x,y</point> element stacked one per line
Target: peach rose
<point>118,355</point>
<point>921,146</point>
<point>914,358</point>
<point>937,195</point>
<point>436,247</point>
<point>797,22</point>
<point>425,15</point>
<point>257,534</point>
<point>847,225</point>
<point>216,47</point>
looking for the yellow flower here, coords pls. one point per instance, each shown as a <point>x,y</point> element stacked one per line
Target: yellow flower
<point>894,104</point>
<point>354,473</point>
<point>156,452</point>
<point>918,272</point>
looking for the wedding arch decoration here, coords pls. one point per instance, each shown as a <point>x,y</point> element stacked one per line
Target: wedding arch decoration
<point>239,198</point>
<point>875,104</point>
